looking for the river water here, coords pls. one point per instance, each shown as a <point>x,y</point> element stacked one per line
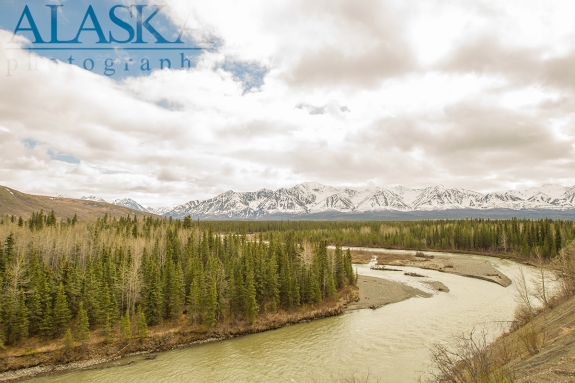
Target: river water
<point>391,343</point>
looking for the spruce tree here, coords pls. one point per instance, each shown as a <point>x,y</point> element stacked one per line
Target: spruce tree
<point>83,332</point>
<point>61,313</point>
<point>330,290</point>
<point>272,285</point>
<point>194,300</point>
<point>211,306</point>
<point>7,255</point>
<point>18,319</point>
<point>339,267</point>
<point>154,302</point>
<point>125,327</point>
<point>349,268</point>
<point>106,307</point>
<point>142,326</point>
<point>314,290</point>
<point>107,329</point>
<point>169,286</point>
<point>68,341</point>
<point>188,222</point>
<point>46,328</point>
<point>176,292</point>
<point>92,291</point>
<point>251,308</point>
<point>51,219</point>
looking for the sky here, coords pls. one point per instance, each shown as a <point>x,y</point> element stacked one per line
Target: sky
<point>476,94</point>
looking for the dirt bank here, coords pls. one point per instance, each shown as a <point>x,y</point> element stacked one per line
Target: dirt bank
<point>376,292</point>
<point>473,268</point>
<point>553,353</point>
<point>27,362</point>
<point>439,286</point>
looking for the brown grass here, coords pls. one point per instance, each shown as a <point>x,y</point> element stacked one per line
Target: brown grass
<point>470,360</point>
<point>361,256</point>
<point>13,202</point>
<point>549,327</point>
<point>389,258</point>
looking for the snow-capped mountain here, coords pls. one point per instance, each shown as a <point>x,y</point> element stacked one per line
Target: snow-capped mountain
<point>315,198</point>
<point>310,198</point>
<point>159,211</point>
<point>129,203</point>
<point>93,198</point>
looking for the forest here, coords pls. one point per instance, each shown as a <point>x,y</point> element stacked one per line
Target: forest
<point>519,237</point>
<point>66,279</point>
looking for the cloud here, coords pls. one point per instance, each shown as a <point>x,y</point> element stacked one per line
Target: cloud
<point>333,108</point>
<point>476,95</point>
<point>521,66</point>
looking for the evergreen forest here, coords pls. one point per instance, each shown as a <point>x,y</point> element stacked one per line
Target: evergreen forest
<point>67,278</point>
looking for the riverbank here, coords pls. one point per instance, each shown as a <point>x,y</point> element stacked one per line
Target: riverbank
<point>439,261</point>
<point>28,361</point>
<point>540,344</point>
<point>539,350</point>
<point>376,292</point>
<point>466,267</point>
<point>552,357</point>
<point>368,250</point>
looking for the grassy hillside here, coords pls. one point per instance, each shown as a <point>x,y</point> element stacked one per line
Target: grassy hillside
<point>13,202</point>
<point>552,347</point>
<point>539,348</point>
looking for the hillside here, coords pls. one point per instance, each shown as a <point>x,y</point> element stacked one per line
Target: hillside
<point>540,347</point>
<point>13,202</point>
<point>554,360</point>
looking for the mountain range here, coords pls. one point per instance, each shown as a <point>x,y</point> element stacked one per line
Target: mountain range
<point>314,199</point>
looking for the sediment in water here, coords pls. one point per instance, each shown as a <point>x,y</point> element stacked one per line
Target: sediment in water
<point>99,354</point>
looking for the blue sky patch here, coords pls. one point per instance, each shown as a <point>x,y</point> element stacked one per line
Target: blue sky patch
<point>63,157</point>
<point>29,143</point>
<point>252,75</point>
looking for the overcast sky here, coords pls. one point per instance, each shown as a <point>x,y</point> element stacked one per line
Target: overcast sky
<point>476,94</point>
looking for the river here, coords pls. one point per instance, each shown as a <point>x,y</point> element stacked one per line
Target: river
<point>391,343</point>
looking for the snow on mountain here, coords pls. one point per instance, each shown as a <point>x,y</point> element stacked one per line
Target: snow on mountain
<point>93,198</point>
<point>312,197</point>
<point>552,191</point>
<point>381,199</point>
<point>130,203</point>
<point>568,197</point>
<point>505,200</point>
<point>408,196</point>
<point>440,198</point>
<point>159,211</point>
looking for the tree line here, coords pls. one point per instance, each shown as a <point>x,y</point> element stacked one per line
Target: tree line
<point>68,278</point>
<point>523,237</point>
